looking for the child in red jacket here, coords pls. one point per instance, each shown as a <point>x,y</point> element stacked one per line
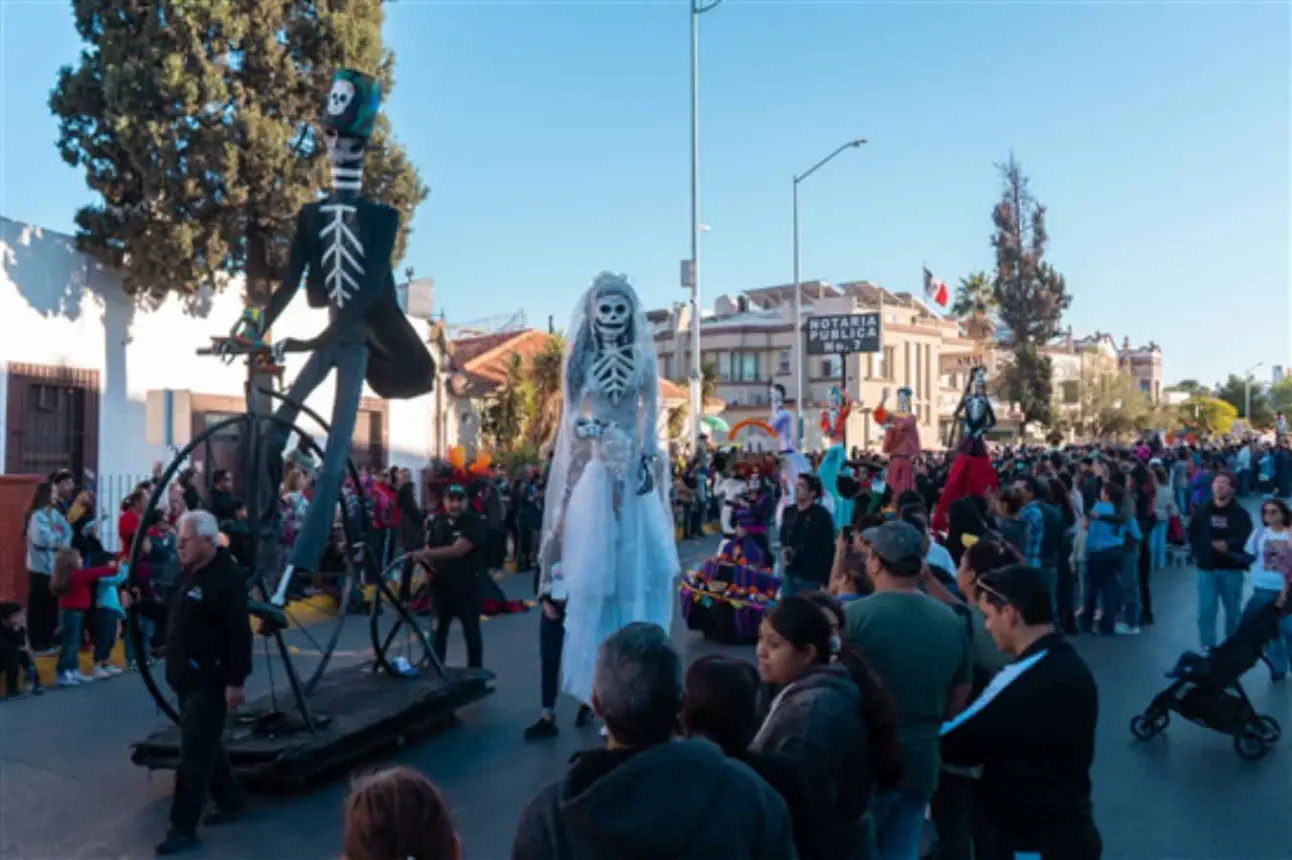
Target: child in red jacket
<point>71,583</point>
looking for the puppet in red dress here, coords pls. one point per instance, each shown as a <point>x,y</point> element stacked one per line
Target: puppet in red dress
<point>901,441</point>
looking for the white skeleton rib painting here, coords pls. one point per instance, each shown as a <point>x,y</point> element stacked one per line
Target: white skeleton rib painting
<point>343,252</point>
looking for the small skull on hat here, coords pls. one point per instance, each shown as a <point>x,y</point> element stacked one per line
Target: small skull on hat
<point>340,97</point>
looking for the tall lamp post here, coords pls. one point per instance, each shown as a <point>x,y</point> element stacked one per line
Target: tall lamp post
<point>1247,391</point>
<point>691,268</point>
<point>800,391</point>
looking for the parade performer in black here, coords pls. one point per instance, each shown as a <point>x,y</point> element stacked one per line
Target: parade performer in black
<point>345,242</point>
<point>972,473</point>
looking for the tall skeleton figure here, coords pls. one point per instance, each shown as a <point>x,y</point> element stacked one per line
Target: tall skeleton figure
<point>345,242</point>
<point>607,519</point>
<point>972,473</point>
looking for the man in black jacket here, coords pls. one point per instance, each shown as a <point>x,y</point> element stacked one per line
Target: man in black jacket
<point>208,658</point>
<point>1218,532</point>
<point>807,539</point>
<point>1032,729</point>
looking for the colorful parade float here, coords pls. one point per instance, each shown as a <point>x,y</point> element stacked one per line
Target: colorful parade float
<point>725,597</point>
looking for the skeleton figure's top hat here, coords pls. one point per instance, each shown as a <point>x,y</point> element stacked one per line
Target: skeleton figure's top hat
<point>352,104</point>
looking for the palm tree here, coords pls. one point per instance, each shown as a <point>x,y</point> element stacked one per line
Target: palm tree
<point>975,296</point>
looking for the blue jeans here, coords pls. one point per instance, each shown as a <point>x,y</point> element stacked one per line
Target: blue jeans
<point>71,622</point>
<point>1279,650</point>
<point>1130,586</point>
<point>1182,500</point>
<point>105,633</point>
<point>1157,546</point>
<point>1224,587</point>
<point>1103,585</point>
<point>899,823</point>
<point>146,628</point>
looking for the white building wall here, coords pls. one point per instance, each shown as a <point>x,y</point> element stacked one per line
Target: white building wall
<point>58,307</point>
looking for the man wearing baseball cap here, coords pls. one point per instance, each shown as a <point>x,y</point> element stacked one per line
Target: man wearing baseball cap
<point>1033,728</point>
<point>920,648</point>
<point>455,552</point>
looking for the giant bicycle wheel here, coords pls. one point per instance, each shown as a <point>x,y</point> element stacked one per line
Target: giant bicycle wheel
<point>313,629</point>
<point>401,642</point>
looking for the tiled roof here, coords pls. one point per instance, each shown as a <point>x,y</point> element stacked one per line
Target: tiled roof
<point>486,358</point>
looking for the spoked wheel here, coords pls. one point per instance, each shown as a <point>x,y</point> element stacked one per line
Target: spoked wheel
<point>399,620</point>
<point>1149,724</point>
<point>1250,743</point>
<point>305,632</point>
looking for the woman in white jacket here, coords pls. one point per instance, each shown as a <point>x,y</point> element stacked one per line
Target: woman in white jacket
<point>46,532</point>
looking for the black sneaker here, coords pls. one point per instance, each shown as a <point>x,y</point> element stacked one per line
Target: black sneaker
<point>542,730</point>
<point>583,718</point>
<point>176,843</point>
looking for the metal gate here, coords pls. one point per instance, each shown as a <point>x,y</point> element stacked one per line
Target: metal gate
<point>52,420</point>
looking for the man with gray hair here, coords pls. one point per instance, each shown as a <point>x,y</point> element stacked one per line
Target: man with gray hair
<point>208,658</point>
<point>648,794</point>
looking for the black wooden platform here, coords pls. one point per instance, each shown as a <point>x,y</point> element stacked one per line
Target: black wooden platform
<point>357,710</point>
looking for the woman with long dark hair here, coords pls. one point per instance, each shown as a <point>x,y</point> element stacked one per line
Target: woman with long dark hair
<point>719,697</point>
<point>46,532</point>
<point>816,721</point>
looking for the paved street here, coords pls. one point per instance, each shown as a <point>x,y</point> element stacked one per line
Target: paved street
<point>69,792</point>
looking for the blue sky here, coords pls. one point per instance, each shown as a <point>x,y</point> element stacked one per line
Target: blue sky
<point>555,138</point>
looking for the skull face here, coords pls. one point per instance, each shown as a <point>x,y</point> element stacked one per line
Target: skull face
<point>340,97</point>
<point>776,395</point>
<point>611,313</point>
<point>903,400</point>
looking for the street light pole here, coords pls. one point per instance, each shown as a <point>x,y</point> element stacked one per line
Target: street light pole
<point>698,8</point>
<point>800,392</point>
<point>1247,391</point>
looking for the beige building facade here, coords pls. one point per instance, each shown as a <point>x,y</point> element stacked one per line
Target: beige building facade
<point>749,339</point>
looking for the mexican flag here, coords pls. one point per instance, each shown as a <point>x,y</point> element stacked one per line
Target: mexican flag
<point>935,290</point>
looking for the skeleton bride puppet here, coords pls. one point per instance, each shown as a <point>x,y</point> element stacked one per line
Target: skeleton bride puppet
<point>607,516</point>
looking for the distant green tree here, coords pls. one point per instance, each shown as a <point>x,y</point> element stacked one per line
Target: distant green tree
<point>1030,295</point>
<point>1234,392</point>
<point>1280,395</point>
<point>192,120</point>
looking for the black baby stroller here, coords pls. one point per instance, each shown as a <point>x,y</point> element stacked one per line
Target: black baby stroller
<point>1205,689</point>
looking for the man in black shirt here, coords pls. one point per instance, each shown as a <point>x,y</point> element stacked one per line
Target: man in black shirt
<point>1218,532</point>
<point>807,539</point>
<point>1033,728</point>
<point>456,545</point>
<point>208,658</point>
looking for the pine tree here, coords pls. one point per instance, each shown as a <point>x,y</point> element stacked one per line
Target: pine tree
<point>1030,296</point>
<point>193,120</point>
